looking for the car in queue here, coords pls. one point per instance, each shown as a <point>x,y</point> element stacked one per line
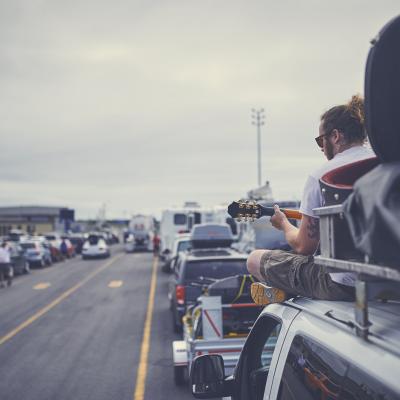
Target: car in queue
<point>37,252</point>
<point>16,235</point>
<point>77,241</point>
<point>209,260</point>
<point>130,243</point>
<point>182,243</point>
<point>95,246</point>
<point>308,349</point>
<point>54,239</point>
<point>18,259</point>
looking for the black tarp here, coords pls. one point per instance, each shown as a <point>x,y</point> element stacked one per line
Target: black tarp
<point>372,212</point>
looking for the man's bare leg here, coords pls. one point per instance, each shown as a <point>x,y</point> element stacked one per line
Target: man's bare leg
<point>253,263</point>
<point>261,293</point>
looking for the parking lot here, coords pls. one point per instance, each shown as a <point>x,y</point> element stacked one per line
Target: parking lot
<point>75,331</point>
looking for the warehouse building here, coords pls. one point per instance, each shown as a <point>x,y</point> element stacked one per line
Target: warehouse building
<point>34,219</point>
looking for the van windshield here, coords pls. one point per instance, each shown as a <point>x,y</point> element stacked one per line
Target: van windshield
<point>216,269</point>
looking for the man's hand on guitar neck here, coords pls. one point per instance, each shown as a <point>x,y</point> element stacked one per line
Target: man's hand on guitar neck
<point>279,219</point>
<point>303,240</point>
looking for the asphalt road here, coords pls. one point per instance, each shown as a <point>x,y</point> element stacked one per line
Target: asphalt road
<point>75,331</point>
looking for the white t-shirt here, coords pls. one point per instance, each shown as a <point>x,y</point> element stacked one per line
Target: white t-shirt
<point>4,255</point>
<point>312,196</point>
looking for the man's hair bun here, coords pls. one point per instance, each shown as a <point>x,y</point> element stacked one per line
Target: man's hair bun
<point>356,108</point>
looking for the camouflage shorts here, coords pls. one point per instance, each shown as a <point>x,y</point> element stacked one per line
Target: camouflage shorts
<point>299,275</point>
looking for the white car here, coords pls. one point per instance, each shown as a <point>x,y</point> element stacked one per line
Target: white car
<point>95,247</point>
<point>182,243</point>
<point>130,243</point>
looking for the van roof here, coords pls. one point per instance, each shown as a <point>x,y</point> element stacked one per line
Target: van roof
<point>384,317</point>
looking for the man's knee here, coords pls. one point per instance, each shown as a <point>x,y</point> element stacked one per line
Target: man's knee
<point>254,261</point>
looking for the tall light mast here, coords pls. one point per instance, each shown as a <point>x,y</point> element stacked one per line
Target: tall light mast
<point>258,119</point>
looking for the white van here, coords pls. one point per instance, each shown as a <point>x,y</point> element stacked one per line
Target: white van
<point>141,227</point>
<point>181,220</point>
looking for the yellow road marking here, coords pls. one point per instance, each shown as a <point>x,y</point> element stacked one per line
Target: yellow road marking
<point>145,347</point>
<point>58,300</point>
<point>42,285</point>
<point>115,284</point>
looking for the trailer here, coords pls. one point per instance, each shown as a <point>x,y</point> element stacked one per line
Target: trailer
<point>218,324</point>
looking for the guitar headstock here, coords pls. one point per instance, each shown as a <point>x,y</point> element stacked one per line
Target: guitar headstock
<point>244,210</point>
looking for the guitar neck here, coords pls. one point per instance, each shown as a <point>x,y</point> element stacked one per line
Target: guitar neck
<point>269,212</point>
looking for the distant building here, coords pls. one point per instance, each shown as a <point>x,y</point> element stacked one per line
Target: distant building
<point>34,219</point>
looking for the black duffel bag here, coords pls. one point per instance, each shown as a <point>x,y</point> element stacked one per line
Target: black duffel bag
<point>372,212</point>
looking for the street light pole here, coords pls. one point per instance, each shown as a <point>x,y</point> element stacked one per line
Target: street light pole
<point>258,118</point>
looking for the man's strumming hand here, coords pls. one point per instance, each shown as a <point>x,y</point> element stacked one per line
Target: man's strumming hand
<point>279,219</point>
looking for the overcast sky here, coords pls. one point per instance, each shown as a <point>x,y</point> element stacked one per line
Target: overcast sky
<point>146,104</point>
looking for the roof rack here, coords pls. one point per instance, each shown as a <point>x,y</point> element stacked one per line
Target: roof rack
<point>374,281</point>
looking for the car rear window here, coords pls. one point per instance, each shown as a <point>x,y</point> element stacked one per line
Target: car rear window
<point>93,240</point>
<point>216,269</point>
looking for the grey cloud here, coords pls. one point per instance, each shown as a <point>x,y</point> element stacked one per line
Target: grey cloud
<point>144,104</point>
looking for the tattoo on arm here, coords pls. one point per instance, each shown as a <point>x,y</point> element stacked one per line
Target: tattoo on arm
<point>313,228</point>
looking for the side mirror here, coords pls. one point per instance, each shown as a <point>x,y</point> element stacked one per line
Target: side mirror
<point>207,377</point>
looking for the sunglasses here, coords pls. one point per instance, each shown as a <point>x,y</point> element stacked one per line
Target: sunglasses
<point>320,141</point>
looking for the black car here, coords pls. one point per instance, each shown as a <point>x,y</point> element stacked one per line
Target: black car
<point>196,269</point>
<point>77,241</point>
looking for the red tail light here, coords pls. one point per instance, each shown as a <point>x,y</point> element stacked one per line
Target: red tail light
<point>180,294</point>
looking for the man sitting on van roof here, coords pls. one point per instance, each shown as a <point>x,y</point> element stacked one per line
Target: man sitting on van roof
<point>342,138</point>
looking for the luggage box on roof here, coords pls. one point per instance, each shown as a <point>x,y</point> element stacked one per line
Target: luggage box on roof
<point>205,236</point>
